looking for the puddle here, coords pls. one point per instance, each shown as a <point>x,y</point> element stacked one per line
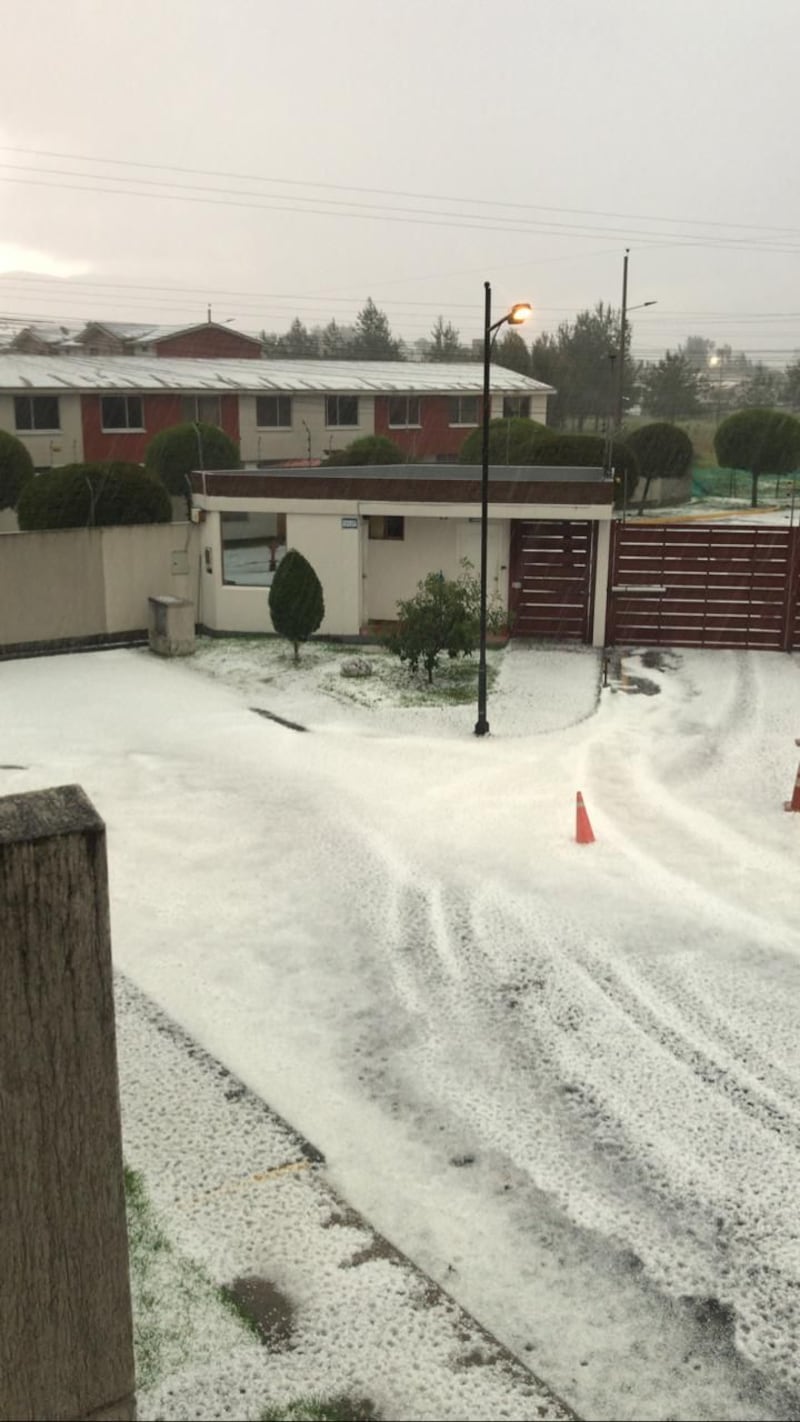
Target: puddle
<point>266,1307</point>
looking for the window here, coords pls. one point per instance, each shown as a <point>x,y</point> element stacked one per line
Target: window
<point>388,526</point>
<point>201,409</point>
<point>341,410</point>
<point>36,412</point>
<point>464,410</point>
<point>516,407</point>
<point>252,547</point>
<point>274,412</point>
<point>121,412</point>
<point>403,412</point>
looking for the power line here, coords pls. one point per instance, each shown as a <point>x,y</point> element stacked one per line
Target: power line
<point>434,219</point>
<point>388,192</point>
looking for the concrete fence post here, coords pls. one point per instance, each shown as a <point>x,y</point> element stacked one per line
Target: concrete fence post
<point>66,1349</point>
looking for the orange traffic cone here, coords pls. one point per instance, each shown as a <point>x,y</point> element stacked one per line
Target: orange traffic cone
<point>794,803</point>
<point>583,829</point>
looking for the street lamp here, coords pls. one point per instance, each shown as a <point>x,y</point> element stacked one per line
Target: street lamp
<point>623,337</point>
<point>519,313</point>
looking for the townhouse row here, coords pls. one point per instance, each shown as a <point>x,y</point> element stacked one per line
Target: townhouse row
<point>104,408</point>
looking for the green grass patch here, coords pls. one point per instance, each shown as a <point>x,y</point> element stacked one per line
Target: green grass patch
<point>177,1310</point>
<point>318,1409</point>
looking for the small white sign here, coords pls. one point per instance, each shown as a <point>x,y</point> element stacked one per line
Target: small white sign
<point>348,522</point>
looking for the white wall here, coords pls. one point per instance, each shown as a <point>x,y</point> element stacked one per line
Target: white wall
<point>258,444</point>
<point>64,446</point>
<point>431,545</point>
<point>334,553</point>
<point>84,582</point>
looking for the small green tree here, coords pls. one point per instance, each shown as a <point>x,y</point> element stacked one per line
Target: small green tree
<point>296,603</point>
<point>93,496</point>
<point>664,451</point>
<point>671,387</point>
<point>760,441</point>
<point>372,336</point>
<point>509,441</point>
<point>175,452</point>
<point>443,616</point>
<point>370,449</point>
<point>16,468</point>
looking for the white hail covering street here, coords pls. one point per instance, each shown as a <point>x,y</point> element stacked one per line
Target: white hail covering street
<point>564,1079</point>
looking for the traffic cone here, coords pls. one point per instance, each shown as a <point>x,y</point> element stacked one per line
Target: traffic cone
<point>583,829</point>
<point>794,803</point>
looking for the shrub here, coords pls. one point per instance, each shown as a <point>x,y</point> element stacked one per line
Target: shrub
<point>761,441</point>
<point>16,468</point>
<point>664,451</point>
<point>174,453</point>
<point>509,441</point>
<point>85,495</point>
<point>583,450</point>
<point>296,603</point>
<point>443,616</point>
<point>370,449</point>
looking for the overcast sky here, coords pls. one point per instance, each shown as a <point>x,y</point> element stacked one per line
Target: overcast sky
<point>407,151</point>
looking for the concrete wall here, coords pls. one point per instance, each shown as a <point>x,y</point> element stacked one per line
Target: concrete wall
<point>258,444</point>
<point>49,448</point>
<point>431,545</point>
<point>89,582</point>
<point>334,553</point>
<point>663,491</point>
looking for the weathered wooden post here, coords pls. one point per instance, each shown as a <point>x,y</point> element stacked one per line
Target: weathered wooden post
<point>66,1348</point>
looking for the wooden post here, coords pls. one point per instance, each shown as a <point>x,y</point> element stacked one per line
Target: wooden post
<point>66,1349</point>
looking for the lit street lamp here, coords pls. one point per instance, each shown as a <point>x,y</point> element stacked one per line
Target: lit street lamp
<point>519,312</point>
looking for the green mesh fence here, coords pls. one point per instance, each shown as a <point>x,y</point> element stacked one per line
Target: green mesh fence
<point>712,483</point>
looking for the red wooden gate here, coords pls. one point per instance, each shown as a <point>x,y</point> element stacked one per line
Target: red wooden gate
<point>705,585</point>
<point>552,563</point>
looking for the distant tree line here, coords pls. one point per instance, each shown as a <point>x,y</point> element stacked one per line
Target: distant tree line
<point>579,360</point>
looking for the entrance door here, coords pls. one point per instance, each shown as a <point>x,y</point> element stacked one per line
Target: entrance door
<point>551,578</point>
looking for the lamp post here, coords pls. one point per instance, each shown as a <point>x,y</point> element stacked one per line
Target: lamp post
<point>519,312</point>
<point>623,336</point>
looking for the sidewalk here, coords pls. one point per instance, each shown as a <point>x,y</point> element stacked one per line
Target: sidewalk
<point>245,1197</point>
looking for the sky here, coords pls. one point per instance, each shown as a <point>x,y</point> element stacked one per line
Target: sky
<point>274,159</point>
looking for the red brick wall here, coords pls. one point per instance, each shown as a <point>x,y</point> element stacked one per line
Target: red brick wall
<point>210,343</point>
<point>435,437</point>
<point>160,411</point>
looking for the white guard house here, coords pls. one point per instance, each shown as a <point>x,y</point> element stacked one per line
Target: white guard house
<point>372,532</point>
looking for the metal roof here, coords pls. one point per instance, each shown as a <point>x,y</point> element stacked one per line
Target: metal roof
<point>149,373</point>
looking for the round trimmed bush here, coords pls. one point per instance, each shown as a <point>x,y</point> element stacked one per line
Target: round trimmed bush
<point>509,441</point>
<point>590,450</point>
<point>664,451</point>
<point>99,495</point>
<point>16,468</point>
<point>761,441</point>
<point>370,449</point>
<point>174,453</point>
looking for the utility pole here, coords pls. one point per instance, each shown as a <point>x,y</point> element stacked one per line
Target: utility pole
<point>622,339</point>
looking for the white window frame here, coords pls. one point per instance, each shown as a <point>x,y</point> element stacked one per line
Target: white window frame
<point>277,397</point>
<point>127,428</point>
<point>461,424</point>
<point>405,424</point>
<point>340,424</point>
<point>35,429</point>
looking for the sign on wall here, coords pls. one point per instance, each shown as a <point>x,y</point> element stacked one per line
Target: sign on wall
<point>349,522</point>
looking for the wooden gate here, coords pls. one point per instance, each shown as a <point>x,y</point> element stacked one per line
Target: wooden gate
<point>551,578</point>
<point>705,585</point>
